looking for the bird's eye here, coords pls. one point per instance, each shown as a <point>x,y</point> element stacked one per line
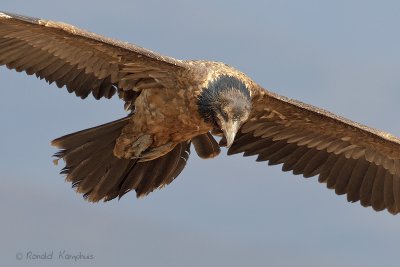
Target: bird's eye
<point>223,113</point>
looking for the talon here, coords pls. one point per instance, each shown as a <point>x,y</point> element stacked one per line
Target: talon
<point>157,152</point>
<point>124,150</point>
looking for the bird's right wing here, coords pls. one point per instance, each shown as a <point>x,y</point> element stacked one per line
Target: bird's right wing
<point>82,61</point>
<point>351,158</point>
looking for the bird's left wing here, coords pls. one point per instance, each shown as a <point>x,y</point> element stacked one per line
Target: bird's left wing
<point>82,61</point>
<point>351,158</point>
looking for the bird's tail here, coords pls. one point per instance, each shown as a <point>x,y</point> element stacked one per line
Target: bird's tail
<point>96,173</point>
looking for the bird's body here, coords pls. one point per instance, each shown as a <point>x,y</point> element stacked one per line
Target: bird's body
<point>173,104</point>
<point>165,117</point>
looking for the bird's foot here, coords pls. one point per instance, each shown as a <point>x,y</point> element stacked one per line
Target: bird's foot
<point>127,149</point>
<point>157,152</point>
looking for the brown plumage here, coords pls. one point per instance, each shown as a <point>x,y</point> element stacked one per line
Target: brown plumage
<point>174,103</point>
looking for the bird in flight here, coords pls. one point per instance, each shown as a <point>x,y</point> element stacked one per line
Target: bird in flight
<point>173,104</point>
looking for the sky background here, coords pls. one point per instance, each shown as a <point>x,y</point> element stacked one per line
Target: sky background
<point>231,211</point>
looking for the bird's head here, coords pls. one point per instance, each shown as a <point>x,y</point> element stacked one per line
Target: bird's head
<point>226,104</point>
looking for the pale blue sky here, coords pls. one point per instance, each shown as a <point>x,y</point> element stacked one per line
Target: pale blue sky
<point>340,55</point>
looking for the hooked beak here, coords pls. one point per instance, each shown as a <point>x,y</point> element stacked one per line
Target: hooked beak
<point>230,129</point>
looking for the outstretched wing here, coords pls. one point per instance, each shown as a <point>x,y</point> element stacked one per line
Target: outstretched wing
<point>349,157</point>
<point>84,62</point>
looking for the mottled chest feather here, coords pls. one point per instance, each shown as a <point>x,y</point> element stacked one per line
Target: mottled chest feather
<point>166,117</point>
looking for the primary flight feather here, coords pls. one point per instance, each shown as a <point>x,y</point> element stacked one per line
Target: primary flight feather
<point>173,104</point>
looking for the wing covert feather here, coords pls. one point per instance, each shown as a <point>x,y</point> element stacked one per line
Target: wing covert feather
<point>349,157</point>
<point>82,61</point>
